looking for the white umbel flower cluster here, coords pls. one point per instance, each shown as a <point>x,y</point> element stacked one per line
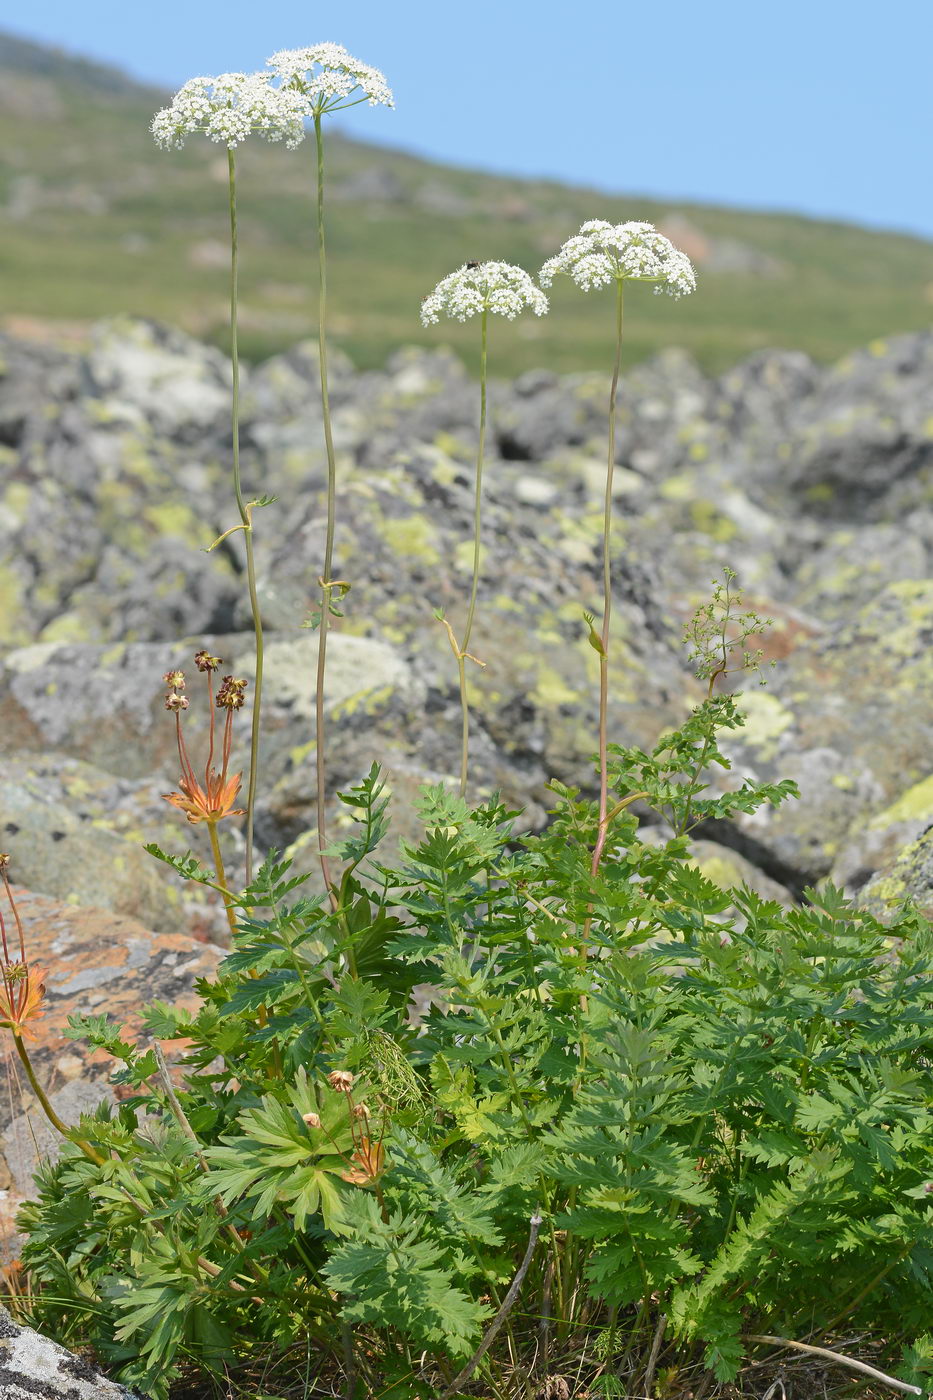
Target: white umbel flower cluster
<point>229,108</point>
<point>327,77</point>
<point>602,253</point>
<point>500,287</point>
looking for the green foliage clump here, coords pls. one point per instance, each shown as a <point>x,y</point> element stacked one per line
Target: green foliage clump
<point>718,1107</point>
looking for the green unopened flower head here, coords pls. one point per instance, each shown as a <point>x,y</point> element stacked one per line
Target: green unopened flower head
<point>325,78</point>
<point>229,108</point>
<point>499,287</point>
<point>602,253</point>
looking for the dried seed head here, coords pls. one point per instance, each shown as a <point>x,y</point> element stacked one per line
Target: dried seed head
<point>4,860</point>
<point>176,679</point>
<point>360,1110</point>
<point>230,695</point>
<point>312,1120</point>
<point>205,662</point>
<point>341,1079</point>
<point>175,702</point>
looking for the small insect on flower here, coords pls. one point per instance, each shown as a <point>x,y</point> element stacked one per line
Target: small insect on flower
<point>475,288</point>
<point>341,1080</point>
<point>602,253</point>
<point>213,799</point>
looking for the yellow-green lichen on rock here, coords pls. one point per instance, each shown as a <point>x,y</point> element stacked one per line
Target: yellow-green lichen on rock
<point>412,537</point>
<point>766,720</point>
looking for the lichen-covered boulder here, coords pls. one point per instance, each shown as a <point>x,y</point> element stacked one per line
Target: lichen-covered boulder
<point>876,845</point>
<point>96,963</point>
<point>32,1367</point>
<point>862,445</point>
<point>814,484</point>
<point>79,831</point>
<point>849,716</point>
<point>908,876</point>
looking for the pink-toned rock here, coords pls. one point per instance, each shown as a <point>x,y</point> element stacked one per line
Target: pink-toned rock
<point>98,963</point>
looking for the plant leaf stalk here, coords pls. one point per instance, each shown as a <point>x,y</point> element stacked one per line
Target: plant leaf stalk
<point>246,522</point>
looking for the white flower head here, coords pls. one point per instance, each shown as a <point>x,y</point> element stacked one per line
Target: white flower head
<point>477,287</point>
<point>602,253</point>
<point>327,78</point>
<point>229,108</point>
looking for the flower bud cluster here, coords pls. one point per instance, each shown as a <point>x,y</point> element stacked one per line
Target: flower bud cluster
<point>230,696</point>
<point>602,253</point>
<point>229,108</point>
<point>325,76</point>
<point>499,287</point>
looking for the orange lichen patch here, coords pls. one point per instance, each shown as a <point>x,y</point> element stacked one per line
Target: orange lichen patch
<point>99,963</point>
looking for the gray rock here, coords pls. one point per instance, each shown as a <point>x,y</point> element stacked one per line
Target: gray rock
<point>862,446</point>
<point>908,876</point>
<point>29,1136</point>
<point>814,484</point>
<point>32,1366</point>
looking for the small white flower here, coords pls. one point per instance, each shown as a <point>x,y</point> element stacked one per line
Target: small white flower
<point>491,286</point>
<point>229,108</point>
<point>326,76</point>
<point>602,253</point>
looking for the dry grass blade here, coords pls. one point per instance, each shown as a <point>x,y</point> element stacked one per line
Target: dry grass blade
<point>840,1360</point>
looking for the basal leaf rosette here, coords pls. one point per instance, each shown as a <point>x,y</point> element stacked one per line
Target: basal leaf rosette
<point>499,287</point>
<point>326,78</point>
<point>229,108</point>
<point>602,253</point>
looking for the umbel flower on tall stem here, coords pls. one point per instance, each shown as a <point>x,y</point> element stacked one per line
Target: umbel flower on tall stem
<point>212,800</point>
<point>228,109</point>
<point>321,79</point>
<point>598,256</point>
<point>479,289</point>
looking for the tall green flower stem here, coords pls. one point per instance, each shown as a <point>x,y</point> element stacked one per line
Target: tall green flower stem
<point>246,523</point>
<point>222,878</point>
<point>326,582</point>
<point>90,1152</point>
<point>462,652</point>
<point>600,642</point>
<point>607,597</point>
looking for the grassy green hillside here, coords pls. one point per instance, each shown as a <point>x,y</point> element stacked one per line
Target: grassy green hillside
<point>95,220</point>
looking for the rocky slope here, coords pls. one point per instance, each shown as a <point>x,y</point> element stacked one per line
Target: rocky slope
<point>815,485</point>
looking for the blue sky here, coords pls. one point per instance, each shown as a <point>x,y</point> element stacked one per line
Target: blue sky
<point>818,106</point>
